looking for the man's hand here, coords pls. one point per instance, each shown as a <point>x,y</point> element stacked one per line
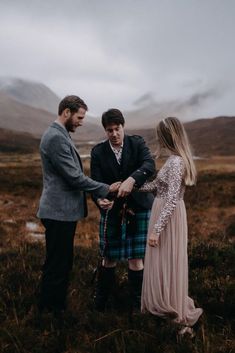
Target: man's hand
<point>153,239</point>
<point>105,204</point>
<point>115,186</point>
<point>126,187</point>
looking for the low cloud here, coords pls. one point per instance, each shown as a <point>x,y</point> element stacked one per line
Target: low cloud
<point>113,53</point>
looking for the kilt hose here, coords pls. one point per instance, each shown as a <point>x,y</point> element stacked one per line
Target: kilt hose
<point>126,239</point>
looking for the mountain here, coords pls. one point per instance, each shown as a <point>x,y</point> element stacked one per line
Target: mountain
<point>148,110</point>
<point>212,136</point>
<point>20,117</point>
<point>31,93</point>
<point>28,106</point>
<point>208,137</point>
<point>23,118</point>
<point>25,115</point>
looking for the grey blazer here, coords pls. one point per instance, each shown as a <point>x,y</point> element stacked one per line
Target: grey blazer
<point>64,182</point>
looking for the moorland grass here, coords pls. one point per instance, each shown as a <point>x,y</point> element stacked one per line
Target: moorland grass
<point>211,278</point>
<point>211,285</point>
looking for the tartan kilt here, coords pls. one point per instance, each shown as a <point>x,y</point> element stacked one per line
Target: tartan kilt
<point>121,242</point>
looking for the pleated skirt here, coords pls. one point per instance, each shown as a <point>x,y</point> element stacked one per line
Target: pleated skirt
<point>165,282</point>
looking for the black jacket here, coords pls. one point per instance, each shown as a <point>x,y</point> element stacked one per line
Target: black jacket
<point>136,162</point>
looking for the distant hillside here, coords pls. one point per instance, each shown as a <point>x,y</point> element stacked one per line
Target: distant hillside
<point>214,136</point>
<point>23,118</point>
<point>208,137</point>
<point>25,109</point>
<point>11,141</point>
<point>34,94</point>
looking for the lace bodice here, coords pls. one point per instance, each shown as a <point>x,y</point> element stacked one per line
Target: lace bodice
<point>168,185</point>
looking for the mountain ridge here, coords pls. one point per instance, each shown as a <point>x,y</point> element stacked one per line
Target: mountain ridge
<point>32,93</point>
<point>212,136</point>
<point>208,136</point>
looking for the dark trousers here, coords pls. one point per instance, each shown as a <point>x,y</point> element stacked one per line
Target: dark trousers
<point>58,264</point>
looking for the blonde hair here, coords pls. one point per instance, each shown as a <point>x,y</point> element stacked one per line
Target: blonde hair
<point>172,135</point>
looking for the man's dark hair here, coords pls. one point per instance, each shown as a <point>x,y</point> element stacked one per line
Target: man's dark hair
<point>112,116</point>
<point>73,103</point>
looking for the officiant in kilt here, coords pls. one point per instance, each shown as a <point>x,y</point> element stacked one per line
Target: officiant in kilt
<point>124,219</point>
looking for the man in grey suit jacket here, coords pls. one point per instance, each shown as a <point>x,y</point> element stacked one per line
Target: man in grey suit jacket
<point>63,201</point>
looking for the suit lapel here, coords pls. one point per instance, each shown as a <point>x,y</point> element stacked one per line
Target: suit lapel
<point>110,158</point>
<point>125,156</point>
<point>76,151</point>
<point>67,135</point>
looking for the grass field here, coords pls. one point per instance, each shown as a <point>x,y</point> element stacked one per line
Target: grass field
<point>211,217</point>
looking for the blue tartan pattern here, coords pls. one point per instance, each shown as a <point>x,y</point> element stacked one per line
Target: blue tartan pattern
<point>119,244</point>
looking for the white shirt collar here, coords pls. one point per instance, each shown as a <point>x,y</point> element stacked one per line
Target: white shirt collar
<point>116,149</point>
<point>117,152</point>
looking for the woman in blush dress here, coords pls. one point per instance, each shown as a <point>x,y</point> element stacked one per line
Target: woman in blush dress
<point>165,282</point>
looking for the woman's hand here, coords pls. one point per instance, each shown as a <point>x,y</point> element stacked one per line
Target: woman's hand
<point>154,239</point>
<point>126,187</point>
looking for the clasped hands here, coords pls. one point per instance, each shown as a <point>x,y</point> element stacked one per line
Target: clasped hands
<point>121,188</point>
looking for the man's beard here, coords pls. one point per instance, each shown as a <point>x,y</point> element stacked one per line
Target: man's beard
<point>69,125</point>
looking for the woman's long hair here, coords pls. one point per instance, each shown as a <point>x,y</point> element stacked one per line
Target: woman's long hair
<point>172,135</point>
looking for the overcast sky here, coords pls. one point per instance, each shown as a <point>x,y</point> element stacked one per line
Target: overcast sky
<point>113,52</point>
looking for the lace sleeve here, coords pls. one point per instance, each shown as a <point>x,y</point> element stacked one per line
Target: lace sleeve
<point>148,186</point>
<point>176,172</point>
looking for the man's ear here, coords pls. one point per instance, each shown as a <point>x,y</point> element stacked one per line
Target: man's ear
<point>67,113</point>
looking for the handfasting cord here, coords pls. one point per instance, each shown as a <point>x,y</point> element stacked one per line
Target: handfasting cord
<point>100,261</point>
